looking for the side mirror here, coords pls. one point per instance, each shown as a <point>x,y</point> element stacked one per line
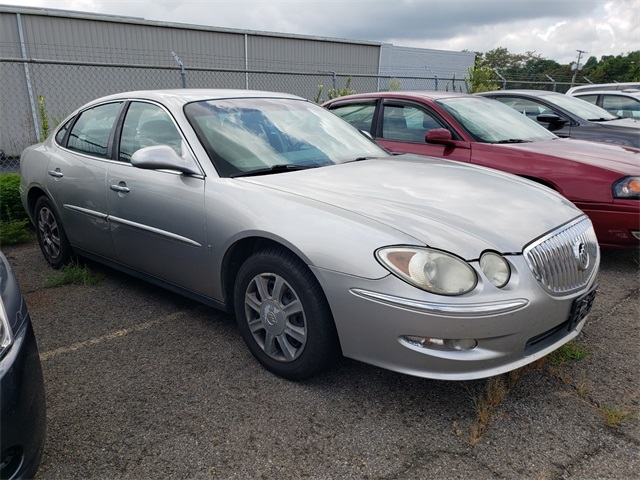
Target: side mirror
<point>440,136</point>
<point>555,122</point>
<point>162,157</point>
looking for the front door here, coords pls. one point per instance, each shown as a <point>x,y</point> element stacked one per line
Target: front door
<point>157,216</point>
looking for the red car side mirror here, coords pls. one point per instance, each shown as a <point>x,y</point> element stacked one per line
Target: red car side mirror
<point>439,135</point>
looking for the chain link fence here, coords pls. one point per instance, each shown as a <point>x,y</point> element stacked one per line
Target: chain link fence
<point>37,95</point>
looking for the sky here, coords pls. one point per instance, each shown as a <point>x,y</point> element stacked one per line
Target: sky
<point>554,29</point>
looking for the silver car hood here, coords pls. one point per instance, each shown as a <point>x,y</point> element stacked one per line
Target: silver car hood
<point>448,205</point>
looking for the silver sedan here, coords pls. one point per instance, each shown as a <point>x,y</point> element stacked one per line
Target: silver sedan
<point>320,241</point>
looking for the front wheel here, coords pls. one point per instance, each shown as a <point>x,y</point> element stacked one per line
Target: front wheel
<point>51,236</point>
<point>283,315</point>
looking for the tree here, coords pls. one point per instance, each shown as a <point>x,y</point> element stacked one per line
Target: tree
<point>523,69</point>
<point>481,79</point>
<point>619,68</point>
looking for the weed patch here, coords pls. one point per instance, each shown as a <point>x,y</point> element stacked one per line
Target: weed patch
<point>74,274</point>
<point>569,352</point>
<point>613,416</point>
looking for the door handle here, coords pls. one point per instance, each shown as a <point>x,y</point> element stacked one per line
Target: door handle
<point>56,173</point>
<point>120,188</point>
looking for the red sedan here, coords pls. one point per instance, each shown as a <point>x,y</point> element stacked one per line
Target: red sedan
<point>603,180</point>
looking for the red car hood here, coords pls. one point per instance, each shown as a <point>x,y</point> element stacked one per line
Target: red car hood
<point>615,158</point>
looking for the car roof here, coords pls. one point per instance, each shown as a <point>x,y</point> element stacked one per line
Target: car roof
<point>630,92</point>
<point>187,95</point>
<point>404,94</point>
<point>536,93</point>
<point>593,87</point>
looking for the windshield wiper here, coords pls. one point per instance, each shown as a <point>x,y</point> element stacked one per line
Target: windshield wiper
<point>279,168</point>
<point>601,119</point>
<point>513,140</point>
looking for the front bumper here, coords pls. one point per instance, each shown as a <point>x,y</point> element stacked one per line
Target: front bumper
<point>617,224</point>
<point>511,327</point>
<point>22,407</point>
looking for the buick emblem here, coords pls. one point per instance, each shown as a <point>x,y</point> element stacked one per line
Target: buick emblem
<point>581,255</point>
<point>271,318</point>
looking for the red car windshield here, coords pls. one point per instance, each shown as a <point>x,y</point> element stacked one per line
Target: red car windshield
<point>490,121</point>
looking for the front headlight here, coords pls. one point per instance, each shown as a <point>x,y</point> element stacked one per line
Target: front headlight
<point>495,268</point>
<point>5,329</point>
<point>628,187</point>
<point>428,269</point>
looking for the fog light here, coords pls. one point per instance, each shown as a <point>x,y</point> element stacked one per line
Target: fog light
<point>636,234</point>
<point>446,344</point>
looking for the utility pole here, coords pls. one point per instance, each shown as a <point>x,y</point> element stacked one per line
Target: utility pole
<point>578,67</point>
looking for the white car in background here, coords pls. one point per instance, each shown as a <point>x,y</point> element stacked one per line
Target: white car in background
<point>622,103</point>
<point>599,87</point>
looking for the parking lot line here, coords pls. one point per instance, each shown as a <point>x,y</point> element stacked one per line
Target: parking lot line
<point>44,356</point>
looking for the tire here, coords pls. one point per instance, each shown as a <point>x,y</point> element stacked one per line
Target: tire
<point>294,345</point>
<point>51,235</point>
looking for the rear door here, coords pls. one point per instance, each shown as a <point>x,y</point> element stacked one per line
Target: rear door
<point>77,178</point>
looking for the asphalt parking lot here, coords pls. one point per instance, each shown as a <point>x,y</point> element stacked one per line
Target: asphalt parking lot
<point>142,384</point>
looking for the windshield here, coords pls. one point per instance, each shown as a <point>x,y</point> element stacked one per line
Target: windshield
<point>490,121</point>
<point>580,108</point>
<point>253,135</point>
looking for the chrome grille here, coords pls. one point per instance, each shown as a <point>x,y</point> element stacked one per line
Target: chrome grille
<point>566,259</point>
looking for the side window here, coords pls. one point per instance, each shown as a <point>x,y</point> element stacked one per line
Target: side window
<point>358,115</point>
<point>621,106</point>
<point>146,125</point>
<point>589,98</point>
<point>91,132</point>
<point>394,125</point>
<point>406,123</point>
<point>527,107</point>
<point>62,132</point>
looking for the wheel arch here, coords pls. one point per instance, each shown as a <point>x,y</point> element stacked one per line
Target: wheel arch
<point>238,253</point>
<point>32,197</point>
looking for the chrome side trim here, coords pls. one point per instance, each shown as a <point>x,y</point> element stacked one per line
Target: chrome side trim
<point>157,231</point>
<point>128,223</point>
<point>444,309</point>
<point>86,211</point>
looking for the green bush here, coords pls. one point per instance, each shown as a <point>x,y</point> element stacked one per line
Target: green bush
<point>11,209</point>
<point>14,222</point>
<point>15,232</point>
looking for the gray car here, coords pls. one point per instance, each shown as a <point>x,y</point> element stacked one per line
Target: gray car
<point>23,414</point>
<point>570,117</point>
<point>320,241</point>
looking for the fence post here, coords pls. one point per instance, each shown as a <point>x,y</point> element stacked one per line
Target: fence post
<point>504,80</point>
<point>23,48</point>
<point>434,76</point>
<point>552,81</point>
<point>183,74</point>
<point>334,79</point>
